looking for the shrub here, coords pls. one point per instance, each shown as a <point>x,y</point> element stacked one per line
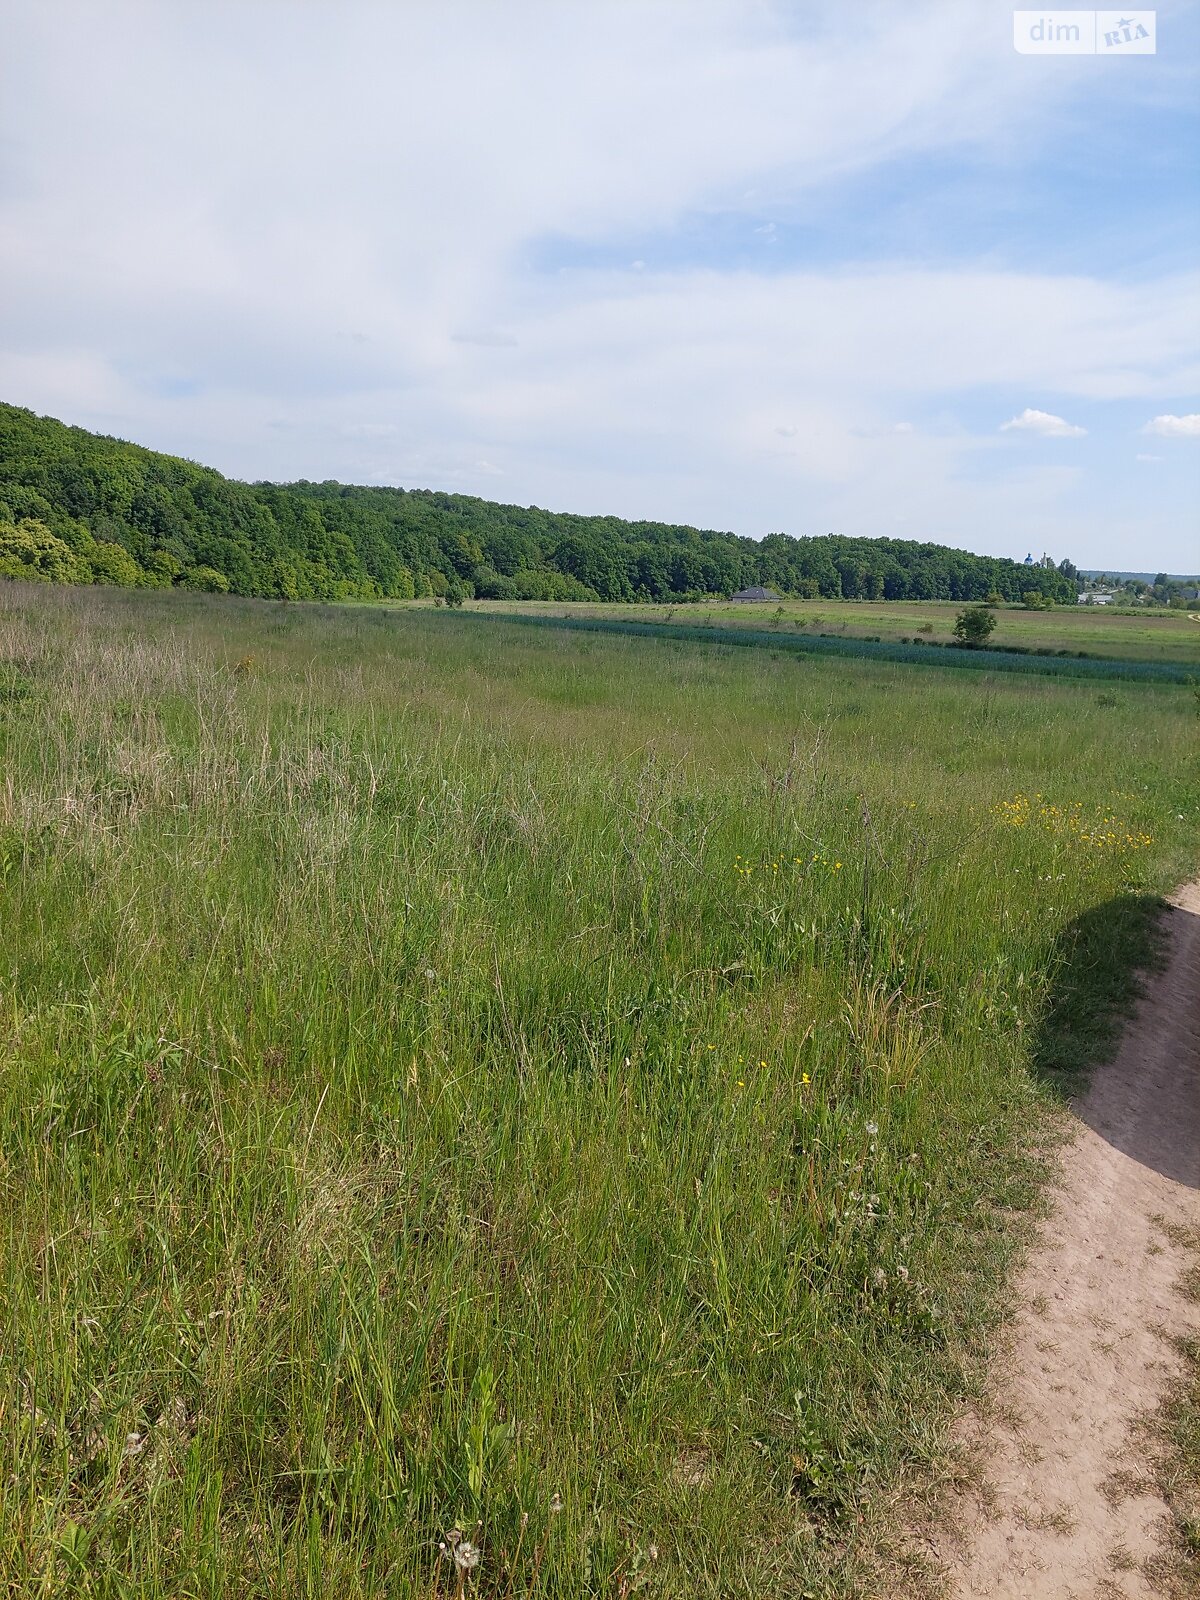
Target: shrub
<point>112,563</point>
<point>162,568</point>
<point>207,580</point>
<point>493,585</point>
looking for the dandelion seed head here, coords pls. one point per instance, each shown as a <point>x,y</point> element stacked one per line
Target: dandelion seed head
<point>466,1556</point>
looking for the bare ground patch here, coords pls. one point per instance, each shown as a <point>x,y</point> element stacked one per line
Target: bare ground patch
<point>1065,1500</point>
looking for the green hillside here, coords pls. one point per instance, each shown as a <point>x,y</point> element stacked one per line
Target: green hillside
<point>80,507</point>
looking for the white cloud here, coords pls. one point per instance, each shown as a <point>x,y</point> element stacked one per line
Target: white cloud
<point>1172,427</point>
<point>369,430</point>
<point>1045,423</point>
<point>1150,458</point>
<point>272,201</point>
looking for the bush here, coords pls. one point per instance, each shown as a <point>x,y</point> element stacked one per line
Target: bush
<point>161,568</point>
<point>544,584</point>
<point>206,580</point>
<point>112,563</point>
<point>493,585</point>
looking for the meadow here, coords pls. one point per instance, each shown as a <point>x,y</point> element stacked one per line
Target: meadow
<point>491,1110</point>
<point>1121,635</point>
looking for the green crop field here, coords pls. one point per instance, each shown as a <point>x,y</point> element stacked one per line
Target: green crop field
<point>579,1090</point>
<point>1146,635</point>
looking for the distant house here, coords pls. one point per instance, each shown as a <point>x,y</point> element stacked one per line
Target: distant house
<point>756,592</point>
<point>1095,597</point>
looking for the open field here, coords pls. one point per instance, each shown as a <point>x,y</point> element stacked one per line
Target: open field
<point>1169,636</point>
<point>916,653</point>
<point>579,1090</point>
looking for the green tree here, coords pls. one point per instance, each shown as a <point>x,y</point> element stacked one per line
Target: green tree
<point>29,550</point>
<point>112,563</point>
<point>206,579</point>
<point>162,568</point>
<point>307,541</point>
<point>973,627</point>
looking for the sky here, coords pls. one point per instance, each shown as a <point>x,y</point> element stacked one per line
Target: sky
<point>856,268</point>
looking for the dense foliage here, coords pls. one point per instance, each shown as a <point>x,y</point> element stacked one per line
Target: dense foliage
<point>79,507</point>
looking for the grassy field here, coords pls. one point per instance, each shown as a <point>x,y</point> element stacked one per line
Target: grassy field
<point>1169,636</point>
<point>573,1091</point>
<point>916,653</point>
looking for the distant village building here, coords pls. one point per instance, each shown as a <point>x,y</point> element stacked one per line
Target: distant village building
<point>756,592</point>
<point>1095,597</point>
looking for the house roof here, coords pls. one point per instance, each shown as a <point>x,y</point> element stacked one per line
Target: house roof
<point>756,592</point>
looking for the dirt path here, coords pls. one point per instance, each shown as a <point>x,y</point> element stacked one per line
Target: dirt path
<point>1065,1511</point>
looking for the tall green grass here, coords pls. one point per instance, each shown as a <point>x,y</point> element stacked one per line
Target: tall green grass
<point>561,1095</point>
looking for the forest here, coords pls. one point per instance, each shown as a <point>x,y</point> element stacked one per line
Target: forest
<point>81,507</point>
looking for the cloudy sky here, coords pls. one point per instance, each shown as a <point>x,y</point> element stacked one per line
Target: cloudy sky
<point>855,267</point>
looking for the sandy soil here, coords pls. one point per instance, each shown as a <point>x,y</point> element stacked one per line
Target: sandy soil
<point>1065,1510</point>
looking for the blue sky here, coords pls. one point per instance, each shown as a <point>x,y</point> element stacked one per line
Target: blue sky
<point>739,264</point>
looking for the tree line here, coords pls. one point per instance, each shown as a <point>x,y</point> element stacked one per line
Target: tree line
<point>80,507</point>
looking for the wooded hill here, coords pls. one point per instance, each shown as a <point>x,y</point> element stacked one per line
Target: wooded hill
<point>80,507</point>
